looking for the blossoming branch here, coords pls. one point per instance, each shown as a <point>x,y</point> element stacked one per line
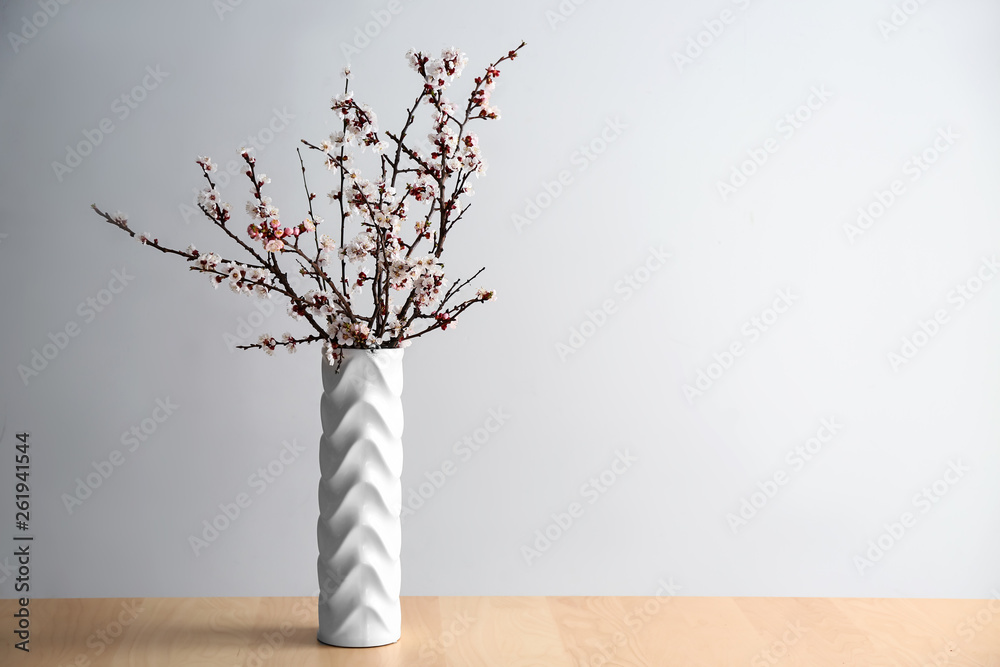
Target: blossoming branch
<point>419,196</point>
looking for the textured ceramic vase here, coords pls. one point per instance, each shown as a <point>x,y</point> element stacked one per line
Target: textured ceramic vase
<point>360,497</point>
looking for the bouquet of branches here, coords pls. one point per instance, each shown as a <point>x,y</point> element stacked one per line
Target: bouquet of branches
<point>353,280</point>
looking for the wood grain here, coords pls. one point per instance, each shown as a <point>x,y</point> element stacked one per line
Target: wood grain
<point>516,632</point>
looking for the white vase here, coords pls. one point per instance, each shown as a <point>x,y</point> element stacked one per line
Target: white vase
<point>360,497</point>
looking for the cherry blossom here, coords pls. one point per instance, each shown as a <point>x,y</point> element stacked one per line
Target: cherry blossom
<point>206,164</point>
<point>377,275</point>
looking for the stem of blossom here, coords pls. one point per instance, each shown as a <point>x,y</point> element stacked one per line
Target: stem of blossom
<point>455,289</point>
<point>410,153</point>
<point>444,206</point>
<point>459,217</point>
<point>343,217</point>
<point>454,312</point>
<point>221,223</point>
<point>312,217</point>
<point>309,318</point>
<point>272,260</point>
<point>402,135</point>
<point>373,322</point>
<point>341,299</point>
<point>510,56</point>
<point>153,243</point>
<point>294,341</point>
<point>269,288</point>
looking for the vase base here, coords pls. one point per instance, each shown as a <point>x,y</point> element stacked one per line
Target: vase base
<point>357,642</point>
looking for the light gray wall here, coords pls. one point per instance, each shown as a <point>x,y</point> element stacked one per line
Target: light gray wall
<point>672,131</point>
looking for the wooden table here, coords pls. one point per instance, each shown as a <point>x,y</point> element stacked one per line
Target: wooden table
<point>522,631</point>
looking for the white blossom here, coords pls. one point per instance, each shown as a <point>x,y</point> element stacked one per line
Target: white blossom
<point>359,248</point>
<point>209,197</point>
<point>430,285</point>
<point>331,353</point>
<point>423,187</point>
<point>350,334</point>
<point>268,342</point>
<point>207,164</point>
<point>377,208</point>
<point>209,261</point>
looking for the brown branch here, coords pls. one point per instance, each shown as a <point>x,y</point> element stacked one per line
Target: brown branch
<point>294,341</point>
<point>312,217</point>
<point>454,312</point>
